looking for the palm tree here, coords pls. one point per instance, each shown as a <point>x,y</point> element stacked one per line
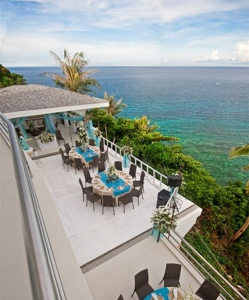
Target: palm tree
<point>75,78</point>
<point>115,106</point>
<point>236,152</point>
<point>144,124</point>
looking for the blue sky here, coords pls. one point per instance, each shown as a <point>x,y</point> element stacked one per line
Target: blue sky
<point>126,33</point>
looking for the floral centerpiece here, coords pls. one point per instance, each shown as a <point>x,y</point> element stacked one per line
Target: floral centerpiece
<point>82,135</point>
<point>127,150</point>
<point>97,132</point>
<point>163,220</point>
<point>111,173</point>
<point>46,137</point>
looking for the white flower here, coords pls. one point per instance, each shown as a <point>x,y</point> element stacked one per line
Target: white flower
<point>127,150</point>
<point>97,132</point>
<point>46,137</point>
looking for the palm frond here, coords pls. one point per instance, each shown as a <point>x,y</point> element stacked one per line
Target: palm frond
<point>239,151</point>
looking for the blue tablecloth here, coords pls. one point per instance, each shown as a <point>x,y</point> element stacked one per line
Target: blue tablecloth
<point>161,292</point>
<point>88,155</point>
<point>115,185</point>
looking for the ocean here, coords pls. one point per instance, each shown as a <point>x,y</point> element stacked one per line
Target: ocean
<point>207,108</point>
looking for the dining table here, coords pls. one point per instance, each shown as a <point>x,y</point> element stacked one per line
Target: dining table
<point>85,156</point>
<point>115,188</point>
<point>161,294</point>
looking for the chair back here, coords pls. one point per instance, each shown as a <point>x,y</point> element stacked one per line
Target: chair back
<point>142,177</point>
<point>101,166</point>
<point>67,148</point>
<point>132,171</point>
<point>77,143</point>
<point>101,146</point>
<point>78,163</point>
<point>62,154</point>
<point>126,198</point>
<point>94,163</point>
<point>91,142</point>
<point>118,165</point>
<point>120,297</point>
<point>58,134</point>
<point>81,184</point>
<point>86,174</point>
<point>141,279</point>
<point>207,291</point>
<point>108,201</point>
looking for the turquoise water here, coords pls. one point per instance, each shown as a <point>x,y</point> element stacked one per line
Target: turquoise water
<point>206,107</point>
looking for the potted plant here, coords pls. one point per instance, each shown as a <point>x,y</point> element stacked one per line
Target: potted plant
<point>127,151</point>
<point>31,125</point>
<point>82,136</point>
<point>163,221</point>
<point>46,137</point>
<point>98,134</point>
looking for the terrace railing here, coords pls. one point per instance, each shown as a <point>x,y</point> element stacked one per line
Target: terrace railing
<point>44,276</point>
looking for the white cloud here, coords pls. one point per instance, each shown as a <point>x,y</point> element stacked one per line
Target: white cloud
<point>242,51</point>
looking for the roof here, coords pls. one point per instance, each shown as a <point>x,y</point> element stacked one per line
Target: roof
<point>33,99</point>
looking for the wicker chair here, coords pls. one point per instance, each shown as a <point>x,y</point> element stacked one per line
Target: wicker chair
<point>133,170</point>
<point>207,291</point>
<point>92,197</point>
<point>171,275</point>
<point>108,201</point>
<point>90,188</point>
<point>118,165</point>
<point>137,193</point>
<point>142,287</point>
<point>88,178</point>
<point>59,136</point>
<point>126,199</point>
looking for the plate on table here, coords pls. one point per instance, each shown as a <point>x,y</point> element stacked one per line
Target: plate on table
<point>102,188</point>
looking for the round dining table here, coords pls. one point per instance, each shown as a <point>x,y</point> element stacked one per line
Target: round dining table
<point>102,186</point>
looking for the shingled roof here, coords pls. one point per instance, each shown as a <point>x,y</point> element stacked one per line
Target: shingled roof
<point>33,99</point>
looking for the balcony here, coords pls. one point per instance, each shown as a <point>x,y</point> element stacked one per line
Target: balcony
<point>108,249</point>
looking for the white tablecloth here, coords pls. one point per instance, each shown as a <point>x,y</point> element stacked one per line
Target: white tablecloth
<point>50,145</point>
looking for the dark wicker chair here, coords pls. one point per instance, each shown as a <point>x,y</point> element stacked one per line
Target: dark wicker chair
<point>207,291</point>
<point>91,142</point>
<point>101,167</point>
<point>78,164</point>
<point>77,143</point>
<point>108,201</point>
<point>133,170</point>
<point>171,275</point>
<point>90,188</point>
<point>126,199</point>
<point>92,197</point>
<point>142,287</point>
<point>120,297</point>
<point>94,163</point>
<point>118,165</point>
<point>101,146</point>
<point>104,156</point>
<point>65,159</point>
<point>67,148</point>
<point>59,136</point>
<point>88,178</point>
<point>137,193</point>
<point>137,183</point>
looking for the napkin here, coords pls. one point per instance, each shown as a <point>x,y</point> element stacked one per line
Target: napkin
<point>175,293</point>
<point>154,296</point>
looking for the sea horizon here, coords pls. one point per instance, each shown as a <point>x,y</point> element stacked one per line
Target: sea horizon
<point>206,107</point>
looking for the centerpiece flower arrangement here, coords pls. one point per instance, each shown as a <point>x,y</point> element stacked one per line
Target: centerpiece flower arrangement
<point>111,173</point>
<point>97,132</point>
<point>163,220</point>
<point>127,150</point>
<point>82,135</point>
<point>46,137</point>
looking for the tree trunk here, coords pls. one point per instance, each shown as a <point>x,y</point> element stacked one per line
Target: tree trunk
<point>240,231</point>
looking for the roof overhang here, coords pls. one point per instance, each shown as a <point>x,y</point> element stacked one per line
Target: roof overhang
<point>30,100</point>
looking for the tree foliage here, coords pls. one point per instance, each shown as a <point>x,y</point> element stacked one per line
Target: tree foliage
<point>75,78</point>
<point>7,78</point>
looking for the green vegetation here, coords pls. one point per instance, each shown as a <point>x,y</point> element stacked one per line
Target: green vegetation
<point>225,208</point>
<point>75,78</point>
<point>7,78</point>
